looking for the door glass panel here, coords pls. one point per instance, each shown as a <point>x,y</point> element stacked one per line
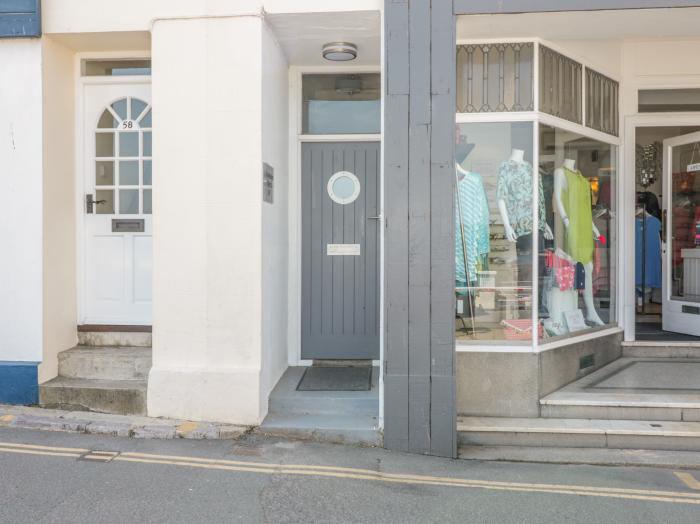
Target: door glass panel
<point>104,144</point>
<point>146,120</point>
<point>128,201</point>
<point>104,173</point>
<point>137,107</point>
<point>147,177</point>
<point>684,218</point>
<point>106,207</point>
<point>129,173</point>
<point>128,144</point>
<point>147,143</point>
<point>107,120</point>
<point>120,108</point>
<point>147,205</point>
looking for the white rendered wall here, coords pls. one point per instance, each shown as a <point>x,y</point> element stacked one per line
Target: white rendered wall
<point>59,248</point>
<point>275,219</point>
<point>20,200</point>
<point>207,252</point>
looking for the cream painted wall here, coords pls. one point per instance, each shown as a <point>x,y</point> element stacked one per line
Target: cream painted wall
<point>21,200</point>
<point>207,251</point>
<point>275,241</point>
<point>85,16</point>
<point>59,248</point>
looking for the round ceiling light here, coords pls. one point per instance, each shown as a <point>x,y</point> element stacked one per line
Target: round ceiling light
<point>339,51</point>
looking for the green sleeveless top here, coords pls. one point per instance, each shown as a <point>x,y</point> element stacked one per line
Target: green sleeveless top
<point>577,204</point>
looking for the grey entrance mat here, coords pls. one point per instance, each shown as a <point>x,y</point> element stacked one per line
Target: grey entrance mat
<point>336,378</point>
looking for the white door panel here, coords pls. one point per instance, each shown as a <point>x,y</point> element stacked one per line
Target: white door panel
<point>117,264</point>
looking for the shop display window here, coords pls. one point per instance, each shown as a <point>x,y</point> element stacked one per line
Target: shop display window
<point>535,193</point>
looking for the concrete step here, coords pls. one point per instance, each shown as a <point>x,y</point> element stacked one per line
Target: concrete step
<point>105,363</point>
<point>286,400</point>
<point>121,397</point>
<point>114,338</point>
<point>343,429</point>
<point>620,410</point>
<point>578,433</point>
<point>644,349</point>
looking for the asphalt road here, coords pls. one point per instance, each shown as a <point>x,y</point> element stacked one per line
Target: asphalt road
<point>59,477</point>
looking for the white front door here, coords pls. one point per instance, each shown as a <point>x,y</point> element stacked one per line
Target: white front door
<point>117,204</point>
<point>681,235</point>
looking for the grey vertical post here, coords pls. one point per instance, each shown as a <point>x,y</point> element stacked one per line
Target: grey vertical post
<point>419,113</point>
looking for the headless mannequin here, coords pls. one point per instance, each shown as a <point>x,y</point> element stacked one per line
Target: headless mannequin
<point>560,185</point>
<point>517,155</point>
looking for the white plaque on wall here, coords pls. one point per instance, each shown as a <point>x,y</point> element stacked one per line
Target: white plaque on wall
<point>574,320</point>
<point>343,249</point>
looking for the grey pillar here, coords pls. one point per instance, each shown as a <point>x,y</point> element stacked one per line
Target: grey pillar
<point>419,116</point>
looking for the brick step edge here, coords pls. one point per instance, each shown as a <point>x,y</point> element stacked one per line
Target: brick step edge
<point>27,417</point>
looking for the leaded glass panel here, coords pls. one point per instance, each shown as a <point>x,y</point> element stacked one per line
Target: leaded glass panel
<point>560,86</point>
<point>602,103</point>
<point>495,77</point>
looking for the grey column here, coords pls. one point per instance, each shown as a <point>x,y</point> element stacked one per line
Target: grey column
<point>419,116</point>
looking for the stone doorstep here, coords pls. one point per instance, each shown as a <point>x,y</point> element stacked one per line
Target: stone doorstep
<point>27,417</point>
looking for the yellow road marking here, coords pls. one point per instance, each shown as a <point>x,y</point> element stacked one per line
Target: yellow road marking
<point>365,474</point>
<point>688,479</point>
<point>187,427</point>
<point>7,418</point>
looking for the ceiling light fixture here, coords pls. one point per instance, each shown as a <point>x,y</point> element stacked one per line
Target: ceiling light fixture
<point>339,51</point>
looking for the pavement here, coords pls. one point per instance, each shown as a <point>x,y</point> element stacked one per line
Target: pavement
<point>61,477</point>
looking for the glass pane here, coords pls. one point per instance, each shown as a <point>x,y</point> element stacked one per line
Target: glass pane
<point>334,104</point>
<point>137,107</point>
<point>104,144</point>
<point>493,233</point>
<point>129,173</point>
<point>669,100</point>
<point>120,108</point>
<point>146,120</point>
<point>578,246</point>
<point>560,85</point>
<point>147,205</point>
<point>147,179</point>
<point>128,144</point>
<point>495,77</point>
<point>601,103</point>
<point>106,207</point>
<point>684,218</point>
<point>115,67</point>
<point>104,173</point>
<point>107,120</point>
<point>129,201</point>
<point>146,143</point>
<point>344,187</point>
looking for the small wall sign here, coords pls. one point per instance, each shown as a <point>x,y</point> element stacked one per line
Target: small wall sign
<point>268,183</point>
<point>343,249</point>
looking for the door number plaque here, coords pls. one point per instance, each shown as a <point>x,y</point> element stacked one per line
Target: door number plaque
<point>343,249</point>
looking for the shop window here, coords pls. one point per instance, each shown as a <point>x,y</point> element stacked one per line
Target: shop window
<point>341,104</point>
<point>602,103</point>
<point>495,77</point>
<point>493,232</point>
<point>577,265</point>
<point>560,85</point>
<point>668,100</point>
<point>89,67</point>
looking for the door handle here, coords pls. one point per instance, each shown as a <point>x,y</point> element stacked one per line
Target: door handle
<point>90,202</point>
<point>378,217</point>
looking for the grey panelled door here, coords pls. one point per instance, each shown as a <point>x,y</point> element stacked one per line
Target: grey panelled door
<point>340,260</point>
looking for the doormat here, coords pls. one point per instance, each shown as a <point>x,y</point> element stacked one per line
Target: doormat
<point>336,378</point>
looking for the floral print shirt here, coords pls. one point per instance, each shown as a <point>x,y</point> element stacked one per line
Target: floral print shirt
<point>515,189</point>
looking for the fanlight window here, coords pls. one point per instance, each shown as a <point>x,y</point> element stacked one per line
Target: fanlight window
<point>123,160</point>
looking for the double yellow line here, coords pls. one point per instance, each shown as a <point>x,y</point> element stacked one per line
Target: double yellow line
<point>677,497</point>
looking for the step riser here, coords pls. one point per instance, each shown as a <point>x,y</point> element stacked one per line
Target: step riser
<point>116,401</point>
<point>578,440</point>
<point>660,352</point>
<point>110,338</point>
<point>320,406</point>
<point>102,367</point>
<point>620,413</point>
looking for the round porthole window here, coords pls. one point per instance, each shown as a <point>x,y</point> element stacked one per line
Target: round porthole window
<point>343,187</point>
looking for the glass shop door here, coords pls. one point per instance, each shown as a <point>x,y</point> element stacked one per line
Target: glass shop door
<point>681,234</point>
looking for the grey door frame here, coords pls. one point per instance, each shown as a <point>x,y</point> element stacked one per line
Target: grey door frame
<point>419,118</point>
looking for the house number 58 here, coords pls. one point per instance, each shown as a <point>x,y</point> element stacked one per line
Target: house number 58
<point>128,124</point>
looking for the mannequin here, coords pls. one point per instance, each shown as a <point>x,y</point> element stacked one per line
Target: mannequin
<point>515,204</point>
<point>560,187</point>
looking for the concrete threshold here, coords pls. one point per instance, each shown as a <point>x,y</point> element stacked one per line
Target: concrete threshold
<point>28,417</point>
